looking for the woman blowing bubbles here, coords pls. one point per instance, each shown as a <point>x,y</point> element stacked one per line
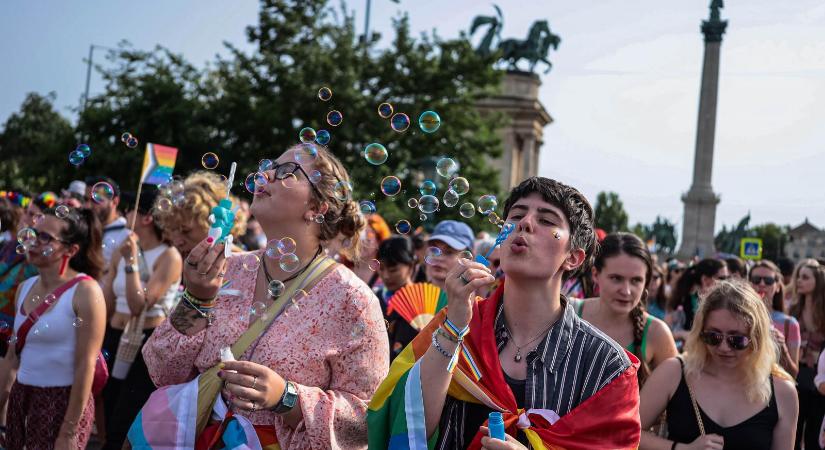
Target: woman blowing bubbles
<point>308,376</point>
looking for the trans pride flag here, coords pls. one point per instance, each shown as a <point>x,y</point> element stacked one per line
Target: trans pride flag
<point>395,416</point>
<point>158,164</point>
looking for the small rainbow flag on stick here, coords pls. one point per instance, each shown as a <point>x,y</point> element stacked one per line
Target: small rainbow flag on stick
<point>158,164</point>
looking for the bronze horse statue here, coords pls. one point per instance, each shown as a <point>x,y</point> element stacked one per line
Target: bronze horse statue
<point>534,49</point>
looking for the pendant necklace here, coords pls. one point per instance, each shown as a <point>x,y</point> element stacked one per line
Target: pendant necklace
<point>518,356</point>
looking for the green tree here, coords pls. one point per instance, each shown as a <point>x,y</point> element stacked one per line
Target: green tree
<point>251,106</point>
<point>662,231</point>
<point>774,237</point>
<point>609,212</point>
<point>34,147</point>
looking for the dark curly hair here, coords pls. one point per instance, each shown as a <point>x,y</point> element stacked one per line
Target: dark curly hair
<point>84,229</point>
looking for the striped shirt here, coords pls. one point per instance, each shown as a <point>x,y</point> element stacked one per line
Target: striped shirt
<point>571,364</point>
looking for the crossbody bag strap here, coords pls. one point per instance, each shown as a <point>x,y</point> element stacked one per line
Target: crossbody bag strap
<point>33,316</point>
<point>693,401</point>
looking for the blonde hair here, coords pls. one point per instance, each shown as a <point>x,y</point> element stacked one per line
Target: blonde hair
<point>201,192</point>
<point>343,216</point>
<point>741,300</point>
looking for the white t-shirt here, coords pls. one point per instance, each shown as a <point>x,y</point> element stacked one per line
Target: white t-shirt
<point>113,236</point>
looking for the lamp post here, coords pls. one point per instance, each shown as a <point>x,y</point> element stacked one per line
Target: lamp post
<point>85,100</point>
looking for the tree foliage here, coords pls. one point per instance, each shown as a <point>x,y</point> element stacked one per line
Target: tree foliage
<point>773,238</point>
<point>610,213</point>
<point>251,105</point>
<point>662,231</point>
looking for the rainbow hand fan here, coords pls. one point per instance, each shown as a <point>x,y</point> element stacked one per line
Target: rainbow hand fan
<point>417,303</point>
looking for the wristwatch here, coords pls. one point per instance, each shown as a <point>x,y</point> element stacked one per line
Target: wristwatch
<point>288,399</point>
<point>130,268</point>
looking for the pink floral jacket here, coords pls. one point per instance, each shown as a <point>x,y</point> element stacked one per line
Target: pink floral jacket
<point>333,346</point>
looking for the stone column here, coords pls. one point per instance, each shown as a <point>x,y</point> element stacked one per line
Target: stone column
<point>700,201</point>
<point>522,136</point>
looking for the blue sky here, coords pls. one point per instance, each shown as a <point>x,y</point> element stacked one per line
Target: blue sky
<point>623,90</point>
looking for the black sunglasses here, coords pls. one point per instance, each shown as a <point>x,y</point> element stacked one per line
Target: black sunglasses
<point>735,341</point>
<point>282,171</point>
<point>769,281</point>
<point>44,238</point>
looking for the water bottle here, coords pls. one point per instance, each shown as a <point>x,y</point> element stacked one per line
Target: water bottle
<point>496,426</point>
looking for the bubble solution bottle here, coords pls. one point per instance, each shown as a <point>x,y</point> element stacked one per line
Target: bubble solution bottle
<point>496,426</point>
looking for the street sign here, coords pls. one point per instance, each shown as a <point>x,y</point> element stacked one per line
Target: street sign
<point>750,248</point>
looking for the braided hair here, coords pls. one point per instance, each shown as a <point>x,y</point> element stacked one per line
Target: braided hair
<point>630,244</point>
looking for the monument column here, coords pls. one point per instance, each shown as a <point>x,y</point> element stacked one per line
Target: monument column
<point>700,201</point>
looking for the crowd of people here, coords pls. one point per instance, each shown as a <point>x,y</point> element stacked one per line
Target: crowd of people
<point>288,336</point>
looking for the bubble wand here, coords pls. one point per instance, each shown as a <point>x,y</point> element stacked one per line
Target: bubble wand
<point>222,217</point>
<point>505,232</point>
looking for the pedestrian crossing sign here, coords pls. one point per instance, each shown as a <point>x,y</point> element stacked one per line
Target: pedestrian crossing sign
<point>750,248</point>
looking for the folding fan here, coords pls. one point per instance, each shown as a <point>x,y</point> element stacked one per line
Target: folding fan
<point>417,303</point>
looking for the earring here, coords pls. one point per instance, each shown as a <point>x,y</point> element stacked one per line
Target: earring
<point>557,235</point>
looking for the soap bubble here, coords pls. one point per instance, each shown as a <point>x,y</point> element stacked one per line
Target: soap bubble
<point>48,251</point>
<point>428,187</point>
<point>429,121</point>
<point>289,262</point>
<point>286,245</point>
<point>271,251</point>
<point>265,164</point>
<point>322,137</point>
<point>289,181</point>
<point>125,137</point>
<point>76,158</point>
<point>251,262</point>
<point>487,204</point>
<point>466,254</point>
<point>84,150</point>
<point>319,219</point>
<point>385,110</point>
<point>77,322</point>
<point>390,186</point>
<point>428,204</point>
<point>450,198</point>
<point>61,212</point>
<point>27,237</point>
<point>412,203</point>
<point>37,218</point>
<point>254,182</point>
<point>102,192</point>
<point>335,118</point>
<point>132,142</point>
<point>325,94</point>
<point>20,249</point>
<point>446,167</point>
<point>164,204</point>
<point>367,207</point>
<point>306,154</point>
<point>209,160</point>
<point>432,253</point>
<point>307,134</point>
<point>342,190</point>
<point>374,265</point>
<point>49,299</point>
<point>275,288</point>
<point>403,227</point>
<point>12,340</point>
<point>257,309</point>
<point>460,185</point>
<point>467,210</point>
<point>376,154</point>
<point>493,218</point>
<point>315,177</point>
<point>400,122</point>
<point>299,295</point>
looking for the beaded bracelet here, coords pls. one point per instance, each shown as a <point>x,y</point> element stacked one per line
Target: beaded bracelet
<point>203,303</point>
<point>205,313</point>
<point>440,348</point>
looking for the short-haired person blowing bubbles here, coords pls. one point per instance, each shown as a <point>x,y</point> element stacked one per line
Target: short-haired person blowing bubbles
<point>522,352</point>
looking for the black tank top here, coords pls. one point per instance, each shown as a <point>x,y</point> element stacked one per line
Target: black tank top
<point>754,433</point>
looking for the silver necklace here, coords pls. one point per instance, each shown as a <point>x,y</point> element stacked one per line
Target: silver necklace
<point>512,339</point>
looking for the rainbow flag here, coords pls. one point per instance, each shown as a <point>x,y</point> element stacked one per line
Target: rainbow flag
<point>158,164</point>
<point>395,416</point>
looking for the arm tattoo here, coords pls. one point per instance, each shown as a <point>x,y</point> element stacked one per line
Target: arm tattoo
<point>187,320</point>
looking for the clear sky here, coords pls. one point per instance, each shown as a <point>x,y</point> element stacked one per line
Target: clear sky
<point>623,90</point>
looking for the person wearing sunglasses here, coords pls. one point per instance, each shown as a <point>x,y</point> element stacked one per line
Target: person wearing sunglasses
<point>305,382</point>
<point>727,391</point>
<point>48,384</point>
<point>808,291</point>
<point>766,279</point>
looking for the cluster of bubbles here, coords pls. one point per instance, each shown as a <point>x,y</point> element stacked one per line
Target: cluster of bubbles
<point>432,254</point>
<point>170,194</point>
<point>79,154</point>
<point>129,140</point>
<point>209,160</point>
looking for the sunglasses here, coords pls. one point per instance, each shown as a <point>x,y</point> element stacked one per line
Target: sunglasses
<point>283,171</point>
<point>44,238</point>
<point>735,341</point>
<point>769,281</point>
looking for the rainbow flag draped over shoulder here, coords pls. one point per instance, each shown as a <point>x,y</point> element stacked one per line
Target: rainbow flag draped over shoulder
<point>158,164</point>
<point>395,417</point>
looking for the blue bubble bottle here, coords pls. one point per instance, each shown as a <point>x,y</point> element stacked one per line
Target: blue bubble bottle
<point>496,426</point>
